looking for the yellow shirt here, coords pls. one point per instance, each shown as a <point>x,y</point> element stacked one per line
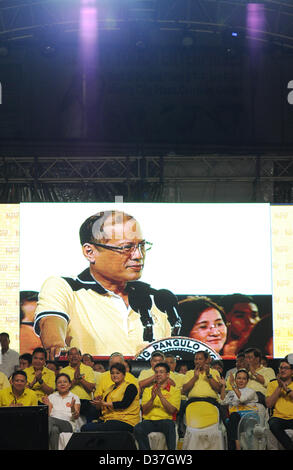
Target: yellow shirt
<point>202,388</point>
<point>28,397</point>
<point>48,377</point>
<point>172,394</point>
<point>89,376</point>
<point>284,405</point>
<point>95,323</point>
<point>130,415</point>
<point>4,382</point>
<point>106,382</point>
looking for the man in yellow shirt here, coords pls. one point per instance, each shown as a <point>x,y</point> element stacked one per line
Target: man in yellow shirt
<point>202,381</point>
<point>147,377</point>
<point>83,383</point>
<point>279,396</point>
<point>17,394</point>
<point>93,312</point>
<point>160,404</point>
<point>259,376</point>
<point>40,378</point>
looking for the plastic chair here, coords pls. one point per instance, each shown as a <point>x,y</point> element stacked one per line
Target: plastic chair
<point>157,440</point>
<point>204,429</point>
<point>273,443</point>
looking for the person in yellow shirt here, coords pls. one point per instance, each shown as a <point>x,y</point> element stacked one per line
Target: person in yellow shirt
<point>106,381</point>
<point>119,404</point>
<point>279,396</point>
<point>83,383</point>
<point>40,378</point>
<point>147,377</point>
<point>94,311</point>
<point>179,380</point>
<point>160,404</point>
<point>202,381</point>
<point>4,382</point>
<point>87,360</point>
<point>17,394</point>
<point>259,376</point>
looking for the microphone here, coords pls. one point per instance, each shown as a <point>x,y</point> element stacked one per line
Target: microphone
<point>140,301</point>
<point>167,302</point>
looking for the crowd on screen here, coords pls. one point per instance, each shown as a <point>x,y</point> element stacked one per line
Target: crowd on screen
<point>87,395</point>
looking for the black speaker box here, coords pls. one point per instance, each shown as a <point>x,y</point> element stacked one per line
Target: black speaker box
<point>101,440</point>
<point>24,428</point>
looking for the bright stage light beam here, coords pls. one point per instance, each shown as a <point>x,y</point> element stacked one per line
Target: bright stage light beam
<point>88,30</point>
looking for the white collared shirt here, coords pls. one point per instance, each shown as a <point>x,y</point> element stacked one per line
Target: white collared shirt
<point>8,362</point>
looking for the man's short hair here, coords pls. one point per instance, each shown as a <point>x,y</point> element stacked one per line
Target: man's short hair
<point>286,361</point>
<point>163,364</point>
<point>26,357</point>
<point>39,350</point>
<point>114,354</point>
<point>157,354</point>
<point>228,301</point>
<point>4,334</point>
<point>205,353</point>
<point>170,356</point>
<point>74,347</point>
<point>92,229</point>
<point>19,372</point>
<point>256,352</point>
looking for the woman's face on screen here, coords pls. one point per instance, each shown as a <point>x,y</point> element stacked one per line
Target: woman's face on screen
<point>210,328</point>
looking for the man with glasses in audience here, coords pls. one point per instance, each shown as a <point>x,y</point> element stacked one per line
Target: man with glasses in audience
<point>279,397</point>
<point>92,312</point>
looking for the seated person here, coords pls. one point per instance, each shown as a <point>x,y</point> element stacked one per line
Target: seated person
<point>160,404</point>
<point>259,376</point>
<point>203,383</point>
<point>25,361</point>
<point>106,381</point>
<point>99,367</point>
<point>83,382</point>
<point>64,408</point>
<point>17,394</point>
<point>239,399</point>
<point>182,368</point>
<point>119,404</point>
<point>240,363</point>
<point>40,378</point>
<point>52,366</point>
<point>87,359</point>
<point>279,397</point>
<point>218,365</point>
<point>147,377</point>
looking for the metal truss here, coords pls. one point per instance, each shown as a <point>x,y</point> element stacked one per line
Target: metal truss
<point>68,169</point>
<point>24,19</point>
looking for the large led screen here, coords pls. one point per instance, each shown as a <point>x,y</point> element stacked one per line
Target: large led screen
<point>203,253</point>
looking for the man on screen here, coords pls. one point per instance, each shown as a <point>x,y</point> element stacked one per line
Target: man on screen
<point>93,311</point>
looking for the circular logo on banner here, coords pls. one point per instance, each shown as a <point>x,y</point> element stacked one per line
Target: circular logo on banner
<point>180,346</point>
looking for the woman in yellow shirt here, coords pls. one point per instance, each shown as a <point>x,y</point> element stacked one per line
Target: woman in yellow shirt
<point>119,404</point>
